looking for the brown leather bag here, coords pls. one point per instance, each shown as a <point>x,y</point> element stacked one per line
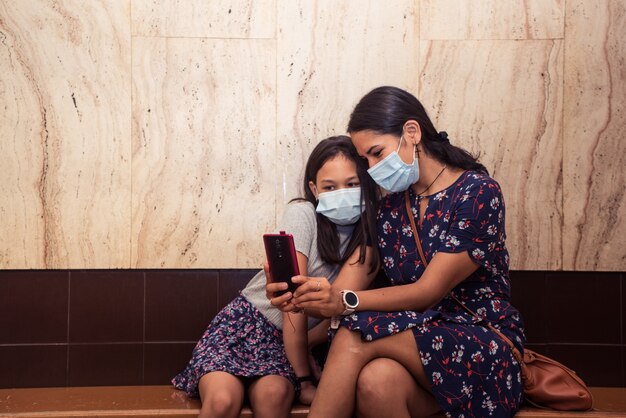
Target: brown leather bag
<point>547,383</point>
<point>550,384</point>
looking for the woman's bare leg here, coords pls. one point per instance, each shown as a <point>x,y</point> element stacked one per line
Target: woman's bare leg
<point>348,355</point>
<point>222,395</point>
<point>386,389</point>
<point>271,397</point>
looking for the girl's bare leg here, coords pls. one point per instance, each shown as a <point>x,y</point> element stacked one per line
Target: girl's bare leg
<point>221,394</point>
<point>271,397</point>
<point>386,389</point>
<point>347,357</point>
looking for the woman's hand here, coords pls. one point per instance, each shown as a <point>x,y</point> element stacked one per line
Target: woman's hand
<point>317,294</point>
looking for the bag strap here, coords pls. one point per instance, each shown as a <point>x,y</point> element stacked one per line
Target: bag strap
<point>413,227</point>
<point>516,353</point>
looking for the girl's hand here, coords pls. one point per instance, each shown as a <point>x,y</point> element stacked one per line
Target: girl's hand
<point>307,393</point>
<point>318,294</point>
<point>282,302</point>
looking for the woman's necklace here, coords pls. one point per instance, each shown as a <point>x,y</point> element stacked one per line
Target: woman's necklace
<point>433,182</point>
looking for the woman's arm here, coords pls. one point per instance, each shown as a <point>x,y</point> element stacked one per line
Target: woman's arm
<point>353,275</point>
<point>481,212</point>
<point>444,272</point>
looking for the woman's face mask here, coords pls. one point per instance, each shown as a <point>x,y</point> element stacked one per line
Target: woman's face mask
<point>342,206</point>
<point>393,174</point>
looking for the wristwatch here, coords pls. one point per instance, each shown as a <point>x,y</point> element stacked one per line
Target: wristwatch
<point>350,301</point>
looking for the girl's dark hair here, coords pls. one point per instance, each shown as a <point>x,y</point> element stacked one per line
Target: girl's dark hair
<point>365,229</point>
<point>386,109</point>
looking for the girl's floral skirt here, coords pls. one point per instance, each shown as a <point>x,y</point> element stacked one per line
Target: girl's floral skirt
<point>241,341</point>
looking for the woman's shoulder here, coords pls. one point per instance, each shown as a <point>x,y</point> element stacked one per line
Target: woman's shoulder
<point>472,179</point>
<point>480,185</point>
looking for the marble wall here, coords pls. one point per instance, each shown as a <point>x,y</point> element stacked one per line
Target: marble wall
<point>170,133</point>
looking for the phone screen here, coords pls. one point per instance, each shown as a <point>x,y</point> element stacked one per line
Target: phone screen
<point>281,257</point>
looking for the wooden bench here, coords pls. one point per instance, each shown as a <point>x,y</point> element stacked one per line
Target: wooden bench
<point>165,401</point>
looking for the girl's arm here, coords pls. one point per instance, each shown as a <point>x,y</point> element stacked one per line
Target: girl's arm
<point>297,349</point>
<point>295,339</point>
<point>319,333</point>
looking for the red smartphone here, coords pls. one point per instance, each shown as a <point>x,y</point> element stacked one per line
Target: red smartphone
<point>282,259</point>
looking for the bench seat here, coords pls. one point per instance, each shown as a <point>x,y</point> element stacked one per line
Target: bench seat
<point>165,401</point>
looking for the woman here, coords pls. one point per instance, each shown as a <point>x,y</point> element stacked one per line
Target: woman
<point>245,351</point>
<point>410,349</point>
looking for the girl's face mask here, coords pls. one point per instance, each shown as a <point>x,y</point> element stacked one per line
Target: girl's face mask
<point>342,206</point>
<point>393,174</point>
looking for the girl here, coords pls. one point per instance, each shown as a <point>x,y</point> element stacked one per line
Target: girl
<point>243,352</point>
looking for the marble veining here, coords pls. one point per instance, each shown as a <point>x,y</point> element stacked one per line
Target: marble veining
<point>202,18</point>
<point>329,55</point>
<point>594,153</point>
<point>517,135</point>
<point>171,133</point>
<point>64,133</point>
<point>491,19</point>
<point>203,152</point>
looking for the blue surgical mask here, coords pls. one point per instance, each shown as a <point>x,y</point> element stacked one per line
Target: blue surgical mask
<point>393,174</point>
<point>342,206</point>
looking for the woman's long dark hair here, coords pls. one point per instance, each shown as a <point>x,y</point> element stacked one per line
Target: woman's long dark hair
<point>386,109</point>
<point>365,229</point>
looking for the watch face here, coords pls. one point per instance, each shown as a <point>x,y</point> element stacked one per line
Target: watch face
<point>351,299</point>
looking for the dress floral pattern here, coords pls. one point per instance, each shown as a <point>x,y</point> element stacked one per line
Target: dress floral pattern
<point>472,371</point>
<point>241,341</point>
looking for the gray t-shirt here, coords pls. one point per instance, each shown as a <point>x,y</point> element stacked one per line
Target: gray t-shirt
<point>298,220</point>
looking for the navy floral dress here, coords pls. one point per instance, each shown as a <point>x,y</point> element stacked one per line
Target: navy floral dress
<point>472,371</point>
